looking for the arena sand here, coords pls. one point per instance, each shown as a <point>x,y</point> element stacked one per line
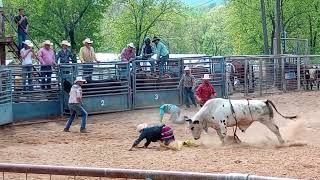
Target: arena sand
<point>111,136</point>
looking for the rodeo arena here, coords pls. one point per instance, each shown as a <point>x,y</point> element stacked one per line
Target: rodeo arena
<point>142,119</point>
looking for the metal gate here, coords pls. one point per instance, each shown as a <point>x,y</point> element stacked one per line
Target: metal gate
<point>107,88</point>
<point>151,90</point>
<point>35,92</point>
<point>214,66</point>
<point>5,97</point>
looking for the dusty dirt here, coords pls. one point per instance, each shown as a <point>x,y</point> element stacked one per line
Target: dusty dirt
<point>111,135</point>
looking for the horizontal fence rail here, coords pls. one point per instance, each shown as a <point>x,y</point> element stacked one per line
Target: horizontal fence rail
<point>125,173</point>
<point>33,83</point>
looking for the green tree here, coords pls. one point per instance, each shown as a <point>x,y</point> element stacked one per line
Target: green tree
<point>72,20</point>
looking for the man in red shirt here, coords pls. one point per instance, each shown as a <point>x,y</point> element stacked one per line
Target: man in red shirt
<point>205,91</point>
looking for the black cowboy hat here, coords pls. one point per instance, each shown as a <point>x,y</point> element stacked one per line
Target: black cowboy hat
<point>155,39</point>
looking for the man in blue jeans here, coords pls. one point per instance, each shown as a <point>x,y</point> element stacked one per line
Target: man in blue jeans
<point>75,105</point>
<point>162,54</point>
<point>22,22</point>
<point>188,82</point>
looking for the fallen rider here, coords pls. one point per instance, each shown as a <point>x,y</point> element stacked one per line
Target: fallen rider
<point>158,133</point>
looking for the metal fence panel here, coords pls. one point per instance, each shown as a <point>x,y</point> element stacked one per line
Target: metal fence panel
<point>214,66</point>
<point>35,91</point>
<point>262,75</point>
<point>108,87</point>
<point>5,97</point>
<point>150,90</point>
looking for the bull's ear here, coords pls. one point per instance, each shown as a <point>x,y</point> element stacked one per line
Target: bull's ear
<point>187,119</point>
<point>196,122</point>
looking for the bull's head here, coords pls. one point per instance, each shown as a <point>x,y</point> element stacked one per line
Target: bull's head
<point>194,127</point>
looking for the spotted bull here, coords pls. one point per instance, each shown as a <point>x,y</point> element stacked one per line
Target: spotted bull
<point>217,114</point>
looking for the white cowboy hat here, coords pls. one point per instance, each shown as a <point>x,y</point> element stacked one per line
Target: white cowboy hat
<point>87,40</point>
<point>28,43</point>
<point>65,42</point>
<point>79,79</point>
<point>206,77</point>
<point>131,45</point>
<point>187,68</point>
<point>47,42</point>
<point>141,126</point>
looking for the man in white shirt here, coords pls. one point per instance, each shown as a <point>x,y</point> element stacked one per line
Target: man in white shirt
<point>27,54</point>
<point>75,105</point>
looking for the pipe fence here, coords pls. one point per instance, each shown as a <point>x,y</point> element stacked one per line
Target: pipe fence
<point>86,172</point>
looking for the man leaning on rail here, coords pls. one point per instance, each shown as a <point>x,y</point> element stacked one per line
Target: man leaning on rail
<point>87,56</point>
<point>27,55</point>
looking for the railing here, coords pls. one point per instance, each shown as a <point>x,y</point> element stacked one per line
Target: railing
<point>108,86</point>
<point>35,83</point>
<point>150,89</point>
<point>5,97</point>
<point>121,173</point>
<point>214,66</point>
<point>5,86</point>
<point>262,75</point>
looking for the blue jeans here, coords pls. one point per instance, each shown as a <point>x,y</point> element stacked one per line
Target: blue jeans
<point>188,93</point>
<point>22,36</point>
<point>163,61</point>
<point>46,72</point>
<point>27,76</point>
<point>77,109</point>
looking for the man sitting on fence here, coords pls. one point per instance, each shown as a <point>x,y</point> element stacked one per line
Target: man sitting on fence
<point>205,91</point>
<point>162,54</point>
<point>147,51</point>
<point>174,112</point>
<point>47,59</point>
<point>27,55</point>
<point>162,133</point>
<point>75,105</point>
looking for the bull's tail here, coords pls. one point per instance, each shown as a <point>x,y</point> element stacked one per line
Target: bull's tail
<point>287,117</point>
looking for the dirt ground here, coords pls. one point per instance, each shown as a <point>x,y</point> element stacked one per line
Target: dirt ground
<point>111,135</point>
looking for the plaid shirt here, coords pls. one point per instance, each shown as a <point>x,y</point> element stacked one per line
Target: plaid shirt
<point>187,81</point>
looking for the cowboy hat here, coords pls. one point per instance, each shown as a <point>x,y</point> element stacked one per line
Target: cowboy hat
<point>47,42</point>
<point>187,68</point>
<point>131,45</point>
<point>79,79</point>
<point>28,43</point>
<point>141,126</point>
<point>206,77</point>
<point>155,39</point>
<point>87,40</point>
<point>65,42</point>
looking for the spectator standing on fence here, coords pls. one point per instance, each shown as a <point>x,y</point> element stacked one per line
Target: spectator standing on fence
<point>188,82</point>
<point>22,22</point>
<point>162,54</point>
<point>147,51</point>
<point>158,133</point>
<point>205,91</point>
<point>27,55</point>
<point>76,106</point>
<point>65,55</point>
<point>88,56</point>
<point>174,112</point>
<point>47,59</point>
